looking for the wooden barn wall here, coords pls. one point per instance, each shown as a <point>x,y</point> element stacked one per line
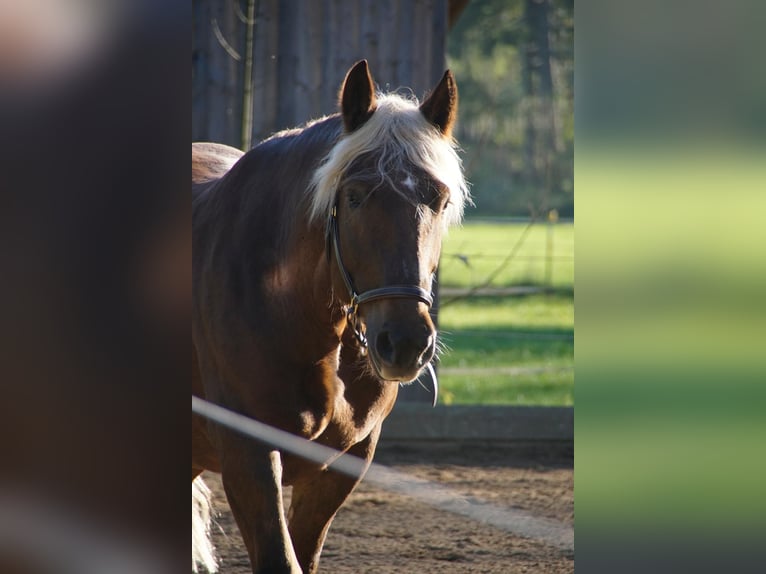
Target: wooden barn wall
<point>301,51</point>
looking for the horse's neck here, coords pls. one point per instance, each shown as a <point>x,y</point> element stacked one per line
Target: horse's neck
<point>305,292</point>
<point>268,261</point>
<point>289,306</point>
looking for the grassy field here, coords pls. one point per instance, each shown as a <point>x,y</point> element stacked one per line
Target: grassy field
<point>475,250</point>
<point>507,350</point>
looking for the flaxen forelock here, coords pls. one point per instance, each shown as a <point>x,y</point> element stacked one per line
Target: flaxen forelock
<point>399,136</point>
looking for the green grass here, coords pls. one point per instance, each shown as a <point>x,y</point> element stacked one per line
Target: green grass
<point>508,350</point>
<point>476,249</point>
<point>547,389</point>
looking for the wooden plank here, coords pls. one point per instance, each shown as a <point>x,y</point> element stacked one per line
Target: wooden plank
<point>410,421</point>
<point>265,85</point>
<point>403,38</point>
<point>318,48</point>
<point>301,52</point>
<point>301,88</point>
<point>224,90</point>
<point>308,16</point>
<point>439,20</point>
<point>200,69</point>
<point>330,76</point>
<point>214,96</point>
<point>420,81</point>
<point>347,28</point>
<point>369,29</point>
<point>287,56</point>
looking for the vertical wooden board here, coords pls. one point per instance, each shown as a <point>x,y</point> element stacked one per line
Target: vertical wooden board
<point>214,97</point>
<point>231,96</point>
<point>369,30</point>
<point>200,69</point>
<point>421,79</point>
<point>299,93</point>
<point>235,31</point>
<point>308,70</point>
<point>405,41</point>
<point>329,66</point>
<point>267,61</point>
<point>248,18</point>
<point>386,48</point>
<point>262,32</point>
<point>440,22</point>
<point>287,61</point>
<point>302,49</point>
<point>316,16</point>
<point>224,88</point>
<point>347,29</point>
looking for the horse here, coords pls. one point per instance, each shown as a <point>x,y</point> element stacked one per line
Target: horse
<point>314,256</point>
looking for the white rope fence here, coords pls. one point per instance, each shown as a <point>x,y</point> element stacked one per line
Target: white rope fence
<point>517,522</point>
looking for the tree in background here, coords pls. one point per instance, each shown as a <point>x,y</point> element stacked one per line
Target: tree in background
<point>514,60</point>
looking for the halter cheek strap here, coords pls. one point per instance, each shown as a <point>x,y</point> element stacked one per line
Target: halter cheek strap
<point>357,299</point>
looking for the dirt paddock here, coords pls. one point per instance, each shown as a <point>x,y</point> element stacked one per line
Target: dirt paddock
<point>381,532</point>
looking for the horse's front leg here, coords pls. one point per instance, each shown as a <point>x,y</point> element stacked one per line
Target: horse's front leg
<point>252,479</point>
<point>315,501</point>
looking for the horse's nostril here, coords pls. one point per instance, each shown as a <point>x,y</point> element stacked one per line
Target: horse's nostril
<point>384,347</point>
<point>403,350</point>
<point>428,351</point>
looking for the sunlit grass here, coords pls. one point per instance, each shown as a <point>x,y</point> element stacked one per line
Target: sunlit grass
<point>508,350</point>
<point>555,388</point>
<point>472,252</point>
<point>670,394</point>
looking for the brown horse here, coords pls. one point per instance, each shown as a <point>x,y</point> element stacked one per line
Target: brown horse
<point>313,243</point>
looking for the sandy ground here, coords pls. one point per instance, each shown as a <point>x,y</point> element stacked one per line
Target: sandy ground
<point>380,532</point>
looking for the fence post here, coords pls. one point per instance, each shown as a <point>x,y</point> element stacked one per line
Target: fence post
<point>553,218</point>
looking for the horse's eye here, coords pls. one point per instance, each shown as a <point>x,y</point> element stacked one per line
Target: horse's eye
<point>439,203</point>
<point>354,200</point>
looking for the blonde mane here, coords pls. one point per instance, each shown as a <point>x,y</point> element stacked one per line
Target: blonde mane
<point>399,136</point>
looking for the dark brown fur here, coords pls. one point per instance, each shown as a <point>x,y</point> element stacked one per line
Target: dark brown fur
<point>268,323</point>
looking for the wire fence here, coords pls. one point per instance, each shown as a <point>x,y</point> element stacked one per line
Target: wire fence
<point>491,257</point>
<point>526,262</point>
<point>500,344</point>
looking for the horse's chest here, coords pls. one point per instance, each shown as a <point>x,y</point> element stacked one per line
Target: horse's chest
<point>339,437</point>
<point>351,423</point>
<point>334,422</point>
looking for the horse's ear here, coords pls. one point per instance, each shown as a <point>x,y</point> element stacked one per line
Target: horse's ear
<point>440,108</point>
<point>357,96</point>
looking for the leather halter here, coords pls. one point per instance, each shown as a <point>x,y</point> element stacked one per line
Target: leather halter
<point>357,299</point>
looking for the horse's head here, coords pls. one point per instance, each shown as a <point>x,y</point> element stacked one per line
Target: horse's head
<point>391,187</point>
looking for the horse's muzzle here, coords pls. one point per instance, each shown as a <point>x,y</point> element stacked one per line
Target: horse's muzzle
<point>400,355</point>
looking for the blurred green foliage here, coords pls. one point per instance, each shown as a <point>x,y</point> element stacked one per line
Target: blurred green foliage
<point>670,331</point>
<point>515,73</point>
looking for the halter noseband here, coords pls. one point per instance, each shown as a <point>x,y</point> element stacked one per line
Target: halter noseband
<point>391,292</point>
